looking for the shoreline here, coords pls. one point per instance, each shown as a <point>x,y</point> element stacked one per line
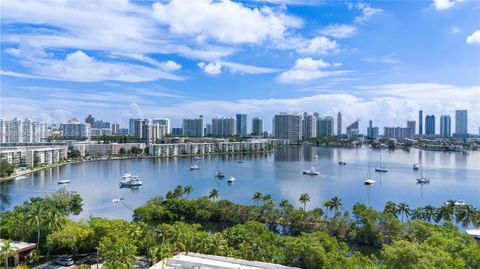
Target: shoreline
<point>25,173</point>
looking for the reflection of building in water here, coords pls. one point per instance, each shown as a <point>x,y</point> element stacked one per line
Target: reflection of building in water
<point>325,153</point>
<point>288,154</point>
<point>309,152</point>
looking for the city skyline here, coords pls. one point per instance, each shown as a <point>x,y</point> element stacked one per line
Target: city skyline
<point>300,56</point>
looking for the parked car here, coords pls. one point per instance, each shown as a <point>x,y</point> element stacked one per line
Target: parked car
<point>67,261</point>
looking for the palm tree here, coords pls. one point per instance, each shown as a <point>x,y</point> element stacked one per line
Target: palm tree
<point>465,214</point>
<point>391,208</point>
<point>267,197</point>
<point>37,214</point>
<point>214,194</point>
<point>404,209</point>
<point>336,204</point>
<point>446,212</point>
<point>178,191</point>
<point>284,204</point>
<point>6,251</point>
<point>328,206</point>
<point>187,190</point>
<point>418,214</point>
<point>257,197</point>
<point>304,199</point>
<point>428,213</point>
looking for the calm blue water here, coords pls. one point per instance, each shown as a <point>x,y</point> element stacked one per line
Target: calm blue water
<point>453,175</point>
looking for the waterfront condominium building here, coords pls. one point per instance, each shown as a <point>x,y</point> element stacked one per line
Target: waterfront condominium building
<point>339,123</point>
<point>164,122</point>
<point>445,126</point>
<point>22,131</point>
<point>115,128</point>
<point>325,127</point>
<point>461,122</point>
<point>352,129</point>
<point>131,126</point>
<point>420,122</point>
<point>224,126</point>
<point>257,126</point>
<point>287,126</point>
<point>75,129</point>
<point>411,124</point>
<point>430,125</point>
<point>309,126</point>
<point>241,128</point>
<point>372,132</point>
<point>398,133</point>
<point>193,127</point>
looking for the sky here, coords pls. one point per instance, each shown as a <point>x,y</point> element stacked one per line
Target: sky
<point>378,60</point>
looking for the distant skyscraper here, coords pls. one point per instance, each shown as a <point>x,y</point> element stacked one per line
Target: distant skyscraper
<point>223,126</point>
<point>420,122</point>
<point>131,126</point>
<point>325,127</point>
<point>430,125</point>
<point>411,126</point>
<point>257,126</point>
<point>339,123</point>
<point>461,122</point>
<point>75,129</point>
<point>352,129</point>
<point>398,133</point>
<point>445,126</point>
<point>90,119</point>
<point>163,122</point>
<point>309,126</point>
<point>193,127</point>
<point>177,131</point>
<point>115,128</point>
<point>372,132</point>
<point>208,129</point>
<point>241,127</point>
<point>287,126</point>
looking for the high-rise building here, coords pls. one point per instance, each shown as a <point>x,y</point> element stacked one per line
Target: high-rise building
<point>223,126</point>
<point>430,125</point>
<point>193,127</point>
<point>309,126</point>
<point>411,126</point>
<point>75,129</point>
<point>131,126</point>
<point>398,133</point>
<point>287,126</point>
<point>22,131</point>
<point>325,127</point>
<point>420,122</point>
<point>208,129</point>
<point>163,121</point>
<point>372,132</point>
<point>257,126</point>
<point>241,128</point>
<point>177,131</point>
<point>90,119</point>
<point>352,129</point>
<point>461,122</point>
<point>339,124</point>
<point>115,128</point>
<point>445,126</point>
<point>39,132</point>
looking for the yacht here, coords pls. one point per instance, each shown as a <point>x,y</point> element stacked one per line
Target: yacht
<point>117,200</point>
<point>64,181</point>
<point>126,176</point>
<point>311,172</point>
<point>415,166</point>
<point>380,168</point>
<point>20,177</point>
<point>231,179</point>
<point>219,174</point>
<point>133,181</point>
<point>194,167</point>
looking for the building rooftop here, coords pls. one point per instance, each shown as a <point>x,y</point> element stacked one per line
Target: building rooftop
<point>19,246</point>
<point>202,261</point>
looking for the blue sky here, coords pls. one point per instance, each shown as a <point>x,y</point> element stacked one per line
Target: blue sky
<point>380,60</point>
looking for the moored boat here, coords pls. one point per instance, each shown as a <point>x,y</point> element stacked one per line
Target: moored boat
<point>311,172</point>
<point>64,181</point>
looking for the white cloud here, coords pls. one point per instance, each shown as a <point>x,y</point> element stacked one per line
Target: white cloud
<point>171,66</point>
<point>445,4</point>
<point>367,11</point>
<point>308,69</point>
<point>319,45</point>
<point>474,37</point>
<point>385,59</point>
<point>247,69</point>
<point>339,30</point>
<point>455,29</point>
<point>225,21</point>
<point>211,68</point>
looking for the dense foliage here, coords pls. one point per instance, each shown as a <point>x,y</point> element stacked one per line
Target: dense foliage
<point>6,169</point>
<point>264,232</point>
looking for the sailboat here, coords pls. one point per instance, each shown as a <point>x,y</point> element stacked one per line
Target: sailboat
<point>380,168</point>
<point>219,173</point>
<point>369,181</point>
<point>422,180</point>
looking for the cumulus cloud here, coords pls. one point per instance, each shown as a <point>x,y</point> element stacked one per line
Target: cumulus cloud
<point>367,11</point>
<point>445,4</point>
<point>319,45</point>
<point>339,30</point>
<point>474,37</point>
<point>211,68</point>
<point>225,21</point>
<point>308,69</point>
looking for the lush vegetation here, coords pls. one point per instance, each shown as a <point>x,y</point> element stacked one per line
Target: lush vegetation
<point>327,237</point>
<point>6,169</point>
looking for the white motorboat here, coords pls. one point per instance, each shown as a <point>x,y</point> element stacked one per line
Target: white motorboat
<point>415,166</point>
<point>194,167</point>
<point>126,176</point>
<point>315,157</point>
<point>133,181</point>
<point>20,177</point>
<point>369,182</point>
<point>231,179</point>
<point>64,181</point>
<point>117,200</point>
<point>311,172</point>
